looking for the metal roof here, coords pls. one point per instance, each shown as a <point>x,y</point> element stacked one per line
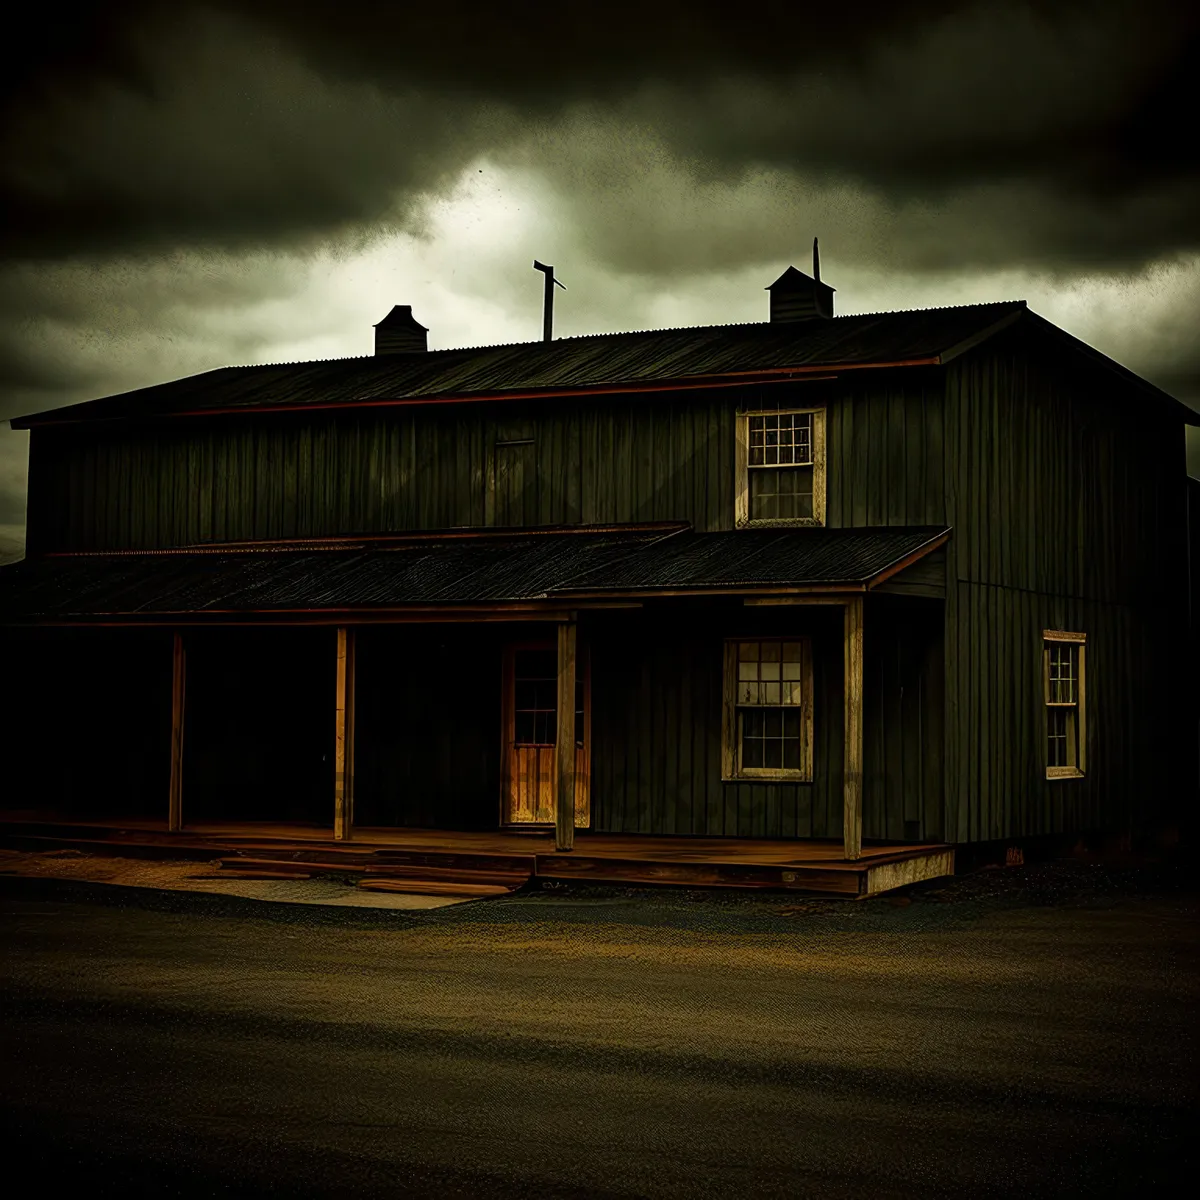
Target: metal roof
<point>488,568</point>
<point>760,558</point>
<point>598,361</point>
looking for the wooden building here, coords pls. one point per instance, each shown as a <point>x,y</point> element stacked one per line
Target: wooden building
<point>912,579</point>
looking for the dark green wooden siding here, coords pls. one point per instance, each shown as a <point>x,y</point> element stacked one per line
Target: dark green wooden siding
<point>621,459</point>
<point>903,728</point>
<point>656,727</point>
<point>1067,501</point>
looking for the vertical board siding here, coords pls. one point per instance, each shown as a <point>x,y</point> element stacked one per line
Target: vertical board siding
<point>902,744</point>
<point>610,460</point>
<point>656,727</point>
<point>1066,498</point>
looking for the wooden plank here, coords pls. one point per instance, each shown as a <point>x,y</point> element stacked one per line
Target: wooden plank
<point>819,473</point>
<point>343,776</point>
<point>729,732</point>
<point>853,748</point>
<point>886,876</point>
<point>1081,712</point>
<point>741,452</point>
<point>178,696</point>
<point>508,767</point>
<point>564,742</point>
<point>828,599</point>
<point>433,887</point>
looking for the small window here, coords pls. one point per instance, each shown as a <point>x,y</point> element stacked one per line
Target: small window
<point>1064,683</point>
<point>768,709</point>
<point>535,699</point>
<point>781,467</point>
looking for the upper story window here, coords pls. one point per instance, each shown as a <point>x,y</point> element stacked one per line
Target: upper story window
<point>781,467</point>
<point>1064,682</point>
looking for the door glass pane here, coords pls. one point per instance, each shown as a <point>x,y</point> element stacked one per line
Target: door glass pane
<point>535,697</point>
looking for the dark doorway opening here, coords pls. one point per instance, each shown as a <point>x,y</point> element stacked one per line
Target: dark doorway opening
<point>259,725</point>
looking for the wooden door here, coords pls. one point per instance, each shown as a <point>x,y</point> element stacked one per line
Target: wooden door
<point>530,725</point>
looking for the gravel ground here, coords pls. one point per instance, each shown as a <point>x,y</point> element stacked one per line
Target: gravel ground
<point>1020,1032</point>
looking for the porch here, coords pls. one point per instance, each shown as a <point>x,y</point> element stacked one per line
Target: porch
<point>721,687</point>
<point>494,861</point>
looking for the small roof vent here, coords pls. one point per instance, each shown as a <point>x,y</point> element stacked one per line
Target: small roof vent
<point>799,297</point>
<point>401,333</point>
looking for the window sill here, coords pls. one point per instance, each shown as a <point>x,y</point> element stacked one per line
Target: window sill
<point>767,775</point>
<point>781,522</point>
<point>1063,773</point>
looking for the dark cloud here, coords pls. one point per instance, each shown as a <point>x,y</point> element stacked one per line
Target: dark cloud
<point>166,169</point>
<point>136,126</point>
<point>210,132</point>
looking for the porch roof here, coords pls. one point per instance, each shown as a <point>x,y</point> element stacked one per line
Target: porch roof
<point>453,569</point>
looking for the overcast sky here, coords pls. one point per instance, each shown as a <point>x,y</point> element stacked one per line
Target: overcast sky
<point>200,184</point>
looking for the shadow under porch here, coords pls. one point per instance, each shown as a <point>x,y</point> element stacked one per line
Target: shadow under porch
<point>430,737</point>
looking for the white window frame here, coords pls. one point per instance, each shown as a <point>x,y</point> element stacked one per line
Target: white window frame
<point>743,468</point>
<point>1076,744</point>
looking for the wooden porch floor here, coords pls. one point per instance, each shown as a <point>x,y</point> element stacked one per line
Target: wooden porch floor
<point>377,854</point>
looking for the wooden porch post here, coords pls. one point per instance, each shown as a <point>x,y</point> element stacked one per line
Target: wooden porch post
<point>564,741</point>
<point>178,695</point>
<point>852,771</point>
<point>343,767</point>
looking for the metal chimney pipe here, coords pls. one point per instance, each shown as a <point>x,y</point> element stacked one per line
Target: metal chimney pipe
<point>548,299</point>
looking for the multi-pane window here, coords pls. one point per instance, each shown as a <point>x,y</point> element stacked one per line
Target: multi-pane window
<point>535,699</point>
<point>1063,682</point>
<point>768,699</point>
<point>782,461</point>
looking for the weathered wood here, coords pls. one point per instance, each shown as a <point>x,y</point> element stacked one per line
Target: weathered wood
<point>886,876</point>
<point>829,599</point>
<point>343,777</point>
<point>819,458</point>
<point>178,696</point>
<point>1081,711</point>
<point>583,753</point>
<point>564,742</point>
<point>729,729</point>
<point>853,745</point>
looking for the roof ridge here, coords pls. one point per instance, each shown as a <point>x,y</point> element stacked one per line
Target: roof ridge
<point>615,333</point>
<point>628,357</point>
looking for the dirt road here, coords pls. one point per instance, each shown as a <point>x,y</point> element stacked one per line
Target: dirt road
<point>613,1047</point>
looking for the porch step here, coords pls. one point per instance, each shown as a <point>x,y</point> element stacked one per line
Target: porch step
<point>277,868</point>
<point>508,880</point>
<point>456,860</point>
<point>252,874</point>
<point>434,887</point>
<point>250,851</point>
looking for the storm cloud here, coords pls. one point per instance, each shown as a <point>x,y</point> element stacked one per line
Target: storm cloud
<point>230,181</point>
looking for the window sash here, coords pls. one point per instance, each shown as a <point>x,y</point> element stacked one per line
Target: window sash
<point>1064,698</point>
<point>767,730</point>
<point>780,439</point>
<point>535,699</point>
<point>780,466</point>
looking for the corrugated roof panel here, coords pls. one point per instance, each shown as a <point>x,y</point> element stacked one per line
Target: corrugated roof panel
<point>761,558</point>
<point>462,570</point>
<point>615,359</point>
